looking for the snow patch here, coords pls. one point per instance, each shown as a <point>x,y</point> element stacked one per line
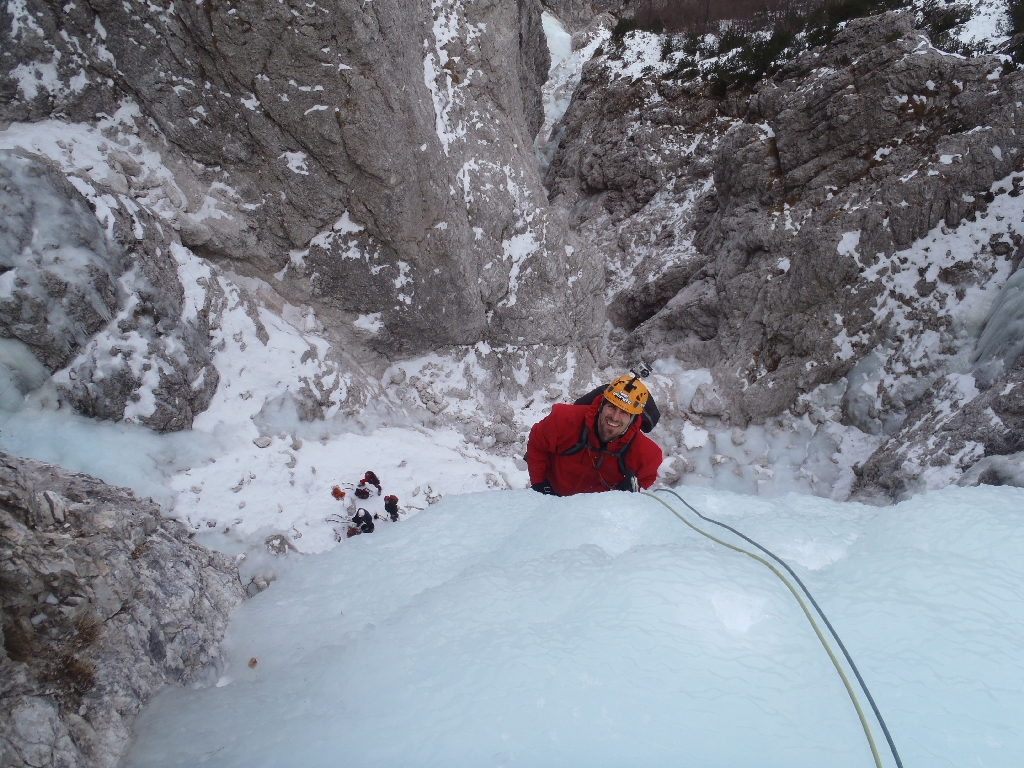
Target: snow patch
<point>296,162</point>
<point>694,437</point>
<point>848,244</point>
<point>371,322</point>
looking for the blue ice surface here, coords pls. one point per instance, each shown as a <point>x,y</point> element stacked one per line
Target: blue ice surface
<point>558,39</point>
<point>122,454</point>
<point>513,628</point>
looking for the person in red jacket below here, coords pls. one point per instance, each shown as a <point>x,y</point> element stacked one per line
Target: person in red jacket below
<point>596,447</point>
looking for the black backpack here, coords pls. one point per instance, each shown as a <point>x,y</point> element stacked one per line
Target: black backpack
<point>649,418</point>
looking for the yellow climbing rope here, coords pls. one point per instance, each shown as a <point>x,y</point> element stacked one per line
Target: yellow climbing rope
<point>807,613</point>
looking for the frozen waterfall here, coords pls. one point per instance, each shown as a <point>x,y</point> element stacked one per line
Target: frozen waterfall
<point>1002,340</point>
<point>513,628</point>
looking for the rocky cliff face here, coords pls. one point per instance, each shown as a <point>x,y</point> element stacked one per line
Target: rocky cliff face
<point>103,602</point>
<point>375,157</point>
<point>104,308</point>
<point>373,165</point>
<point>849,205</point>
<point>370,164</point>
<point>350,192</point>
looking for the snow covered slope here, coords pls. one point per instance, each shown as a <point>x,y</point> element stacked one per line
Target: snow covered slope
<point>511,628</point>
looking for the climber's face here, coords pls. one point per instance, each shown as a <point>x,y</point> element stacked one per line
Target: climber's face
<point>612,422</point>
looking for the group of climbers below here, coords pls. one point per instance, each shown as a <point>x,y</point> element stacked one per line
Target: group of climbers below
<point>362,504</point>
<point>597,444</point>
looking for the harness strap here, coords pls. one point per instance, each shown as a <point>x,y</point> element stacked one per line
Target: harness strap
<point>621,455</point>
<point>584,442</point>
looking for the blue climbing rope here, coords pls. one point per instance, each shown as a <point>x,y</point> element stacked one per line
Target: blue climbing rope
<point>824,618</point>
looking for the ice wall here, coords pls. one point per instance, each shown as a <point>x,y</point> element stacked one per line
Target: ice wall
<point>1002,341</point>
<point>57,272</point>
<point>20,373</point>
<point>809,452</point>
<point>563,77</point>
<point>559,40</point>
<point>512,628</point>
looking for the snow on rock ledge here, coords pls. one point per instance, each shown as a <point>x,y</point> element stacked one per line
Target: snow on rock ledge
<point>101,309</point>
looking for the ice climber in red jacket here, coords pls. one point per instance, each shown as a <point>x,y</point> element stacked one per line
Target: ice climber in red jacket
<point>596,447</point>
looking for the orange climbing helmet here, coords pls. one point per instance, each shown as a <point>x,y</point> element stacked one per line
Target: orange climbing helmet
<point>628,393</point>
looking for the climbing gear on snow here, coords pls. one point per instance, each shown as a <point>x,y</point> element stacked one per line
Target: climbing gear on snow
<point>363,489</point>
<point>807,613</point>
<point>337,493</point>
<point>628,393</point>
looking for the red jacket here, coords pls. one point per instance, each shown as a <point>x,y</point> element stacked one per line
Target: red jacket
<point>588,470</point>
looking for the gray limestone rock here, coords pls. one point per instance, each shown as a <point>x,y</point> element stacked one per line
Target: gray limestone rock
<point>376,157</point>
<point>953,434</point>
<point>58,285</point>
<point>707,401</point>
<point>103,602</point>
<point>996,470</point>
<point>754,233</point>
<point>102,310</point>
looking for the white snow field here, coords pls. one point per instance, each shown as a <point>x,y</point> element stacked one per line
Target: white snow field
<point>512,628</point>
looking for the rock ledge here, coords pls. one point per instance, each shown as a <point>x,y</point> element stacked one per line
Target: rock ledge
<point>103,602</point>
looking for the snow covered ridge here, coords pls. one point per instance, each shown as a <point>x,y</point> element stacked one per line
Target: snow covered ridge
<point>170,312</point>
<point>58,265</point>
<point>113,323</point>
<point>740,53</point>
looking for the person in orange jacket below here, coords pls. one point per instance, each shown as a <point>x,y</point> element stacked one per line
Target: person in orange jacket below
<point>596,447</point>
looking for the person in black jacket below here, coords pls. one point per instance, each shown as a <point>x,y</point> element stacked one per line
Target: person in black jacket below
<point>361,523</point>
